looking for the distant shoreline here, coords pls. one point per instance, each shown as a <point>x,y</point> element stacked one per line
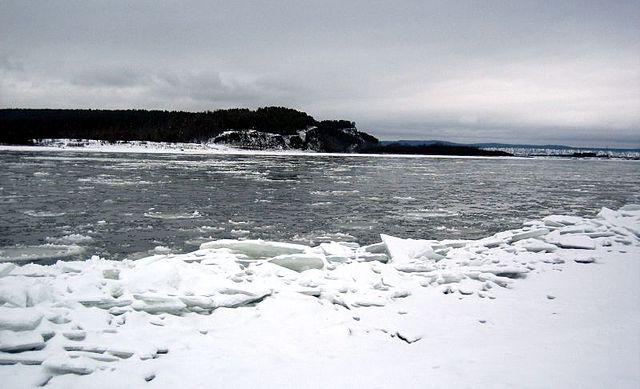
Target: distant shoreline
<point>140,147</point>
<point>217,149</point>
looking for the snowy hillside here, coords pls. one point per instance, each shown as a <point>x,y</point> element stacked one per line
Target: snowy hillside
<point>311,139</point>
<point>553,304</point>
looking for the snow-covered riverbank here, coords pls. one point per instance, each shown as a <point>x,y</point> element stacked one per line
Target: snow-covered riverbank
<point>96,146</point>
<point>144,147</point>
<point>554,304</point>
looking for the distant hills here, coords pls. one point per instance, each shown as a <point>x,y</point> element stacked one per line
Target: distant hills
<point>435,148</point>
<point>503,145</point>
<point>530,150</point>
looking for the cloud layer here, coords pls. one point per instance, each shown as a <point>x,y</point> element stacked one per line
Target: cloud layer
<point>526,71</point>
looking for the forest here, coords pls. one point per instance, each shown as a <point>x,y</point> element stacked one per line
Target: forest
<point>21,126</point>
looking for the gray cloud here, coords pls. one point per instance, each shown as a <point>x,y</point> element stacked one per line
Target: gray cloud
<point>212,88</point>
<point>9,65</point>
<point>109,77</point>
<point>561,71</point>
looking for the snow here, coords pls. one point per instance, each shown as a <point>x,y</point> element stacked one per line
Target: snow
<point>540,306</point>
<point>143,147</point>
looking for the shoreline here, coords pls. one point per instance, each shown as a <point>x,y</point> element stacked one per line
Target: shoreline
<point>204,149</point>
<point>225,150</point>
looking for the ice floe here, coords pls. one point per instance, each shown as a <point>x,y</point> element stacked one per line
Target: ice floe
<point>76,239</point>
<point>173,216</point>
<point>45,252</point>
<point>33,213</point>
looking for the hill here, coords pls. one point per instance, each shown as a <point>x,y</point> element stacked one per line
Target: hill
<point>267,127</point>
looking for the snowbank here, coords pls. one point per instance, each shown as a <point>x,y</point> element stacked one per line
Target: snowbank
<point>554,304</point>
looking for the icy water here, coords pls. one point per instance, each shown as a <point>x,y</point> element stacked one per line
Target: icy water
<point>76,204</point>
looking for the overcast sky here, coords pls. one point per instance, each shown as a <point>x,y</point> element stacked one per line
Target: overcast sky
<point>513,71</point>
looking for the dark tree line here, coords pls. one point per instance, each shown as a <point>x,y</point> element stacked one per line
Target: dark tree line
<point>20,126</point>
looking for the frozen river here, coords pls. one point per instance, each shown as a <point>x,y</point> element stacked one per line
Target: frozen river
<point>77,204</point>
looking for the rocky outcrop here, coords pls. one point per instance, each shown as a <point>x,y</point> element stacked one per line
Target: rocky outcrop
<point>317,138</point>
<point>339,140</point>
<point>253,139</point>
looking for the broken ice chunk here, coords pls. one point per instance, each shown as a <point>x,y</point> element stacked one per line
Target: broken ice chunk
<point>466,289</point>
<point>414,267</point>
<point>449,277</point>
<point>13,295</point>
<point>6,269</point>
<point>406,249</point>
<point>152,303</point>
<point>237,300</point>
<point>529,234</point>
<point>256,249</point>
<point>552,258</point>
<point>65,365</point>
<point>491,241</point>
<point>369,257</point>
<point>368,301</point>
<point>376,248</point>
<point>20,341</point>
<point>336,249</point>
<point>501,281</point>
<point>535,245</point>
<point>561,220</point>
<point>19,319</point>
<point>571,241</point>
<point>111,274</point>
<point>58,316</point>
<point>24,358</point>
<point>75,334</point>
<point>104,302</point>
<point>299,262</point>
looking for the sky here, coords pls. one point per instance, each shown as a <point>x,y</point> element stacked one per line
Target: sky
<point>563,72</point>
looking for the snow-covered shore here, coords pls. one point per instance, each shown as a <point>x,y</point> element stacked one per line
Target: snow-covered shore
<point>143,147</point>
<point>554,304</point>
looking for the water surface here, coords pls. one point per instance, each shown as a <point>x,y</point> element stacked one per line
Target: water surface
<point>128,205</point>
